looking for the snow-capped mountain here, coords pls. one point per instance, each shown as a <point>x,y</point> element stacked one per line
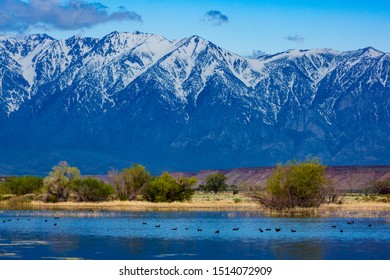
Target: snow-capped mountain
<point>186,104</point>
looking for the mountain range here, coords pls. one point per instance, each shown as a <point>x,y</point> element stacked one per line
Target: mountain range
<point>186,105</point>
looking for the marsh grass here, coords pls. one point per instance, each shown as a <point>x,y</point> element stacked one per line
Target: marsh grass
<point>351,210</point>
<point>352,206</point>
<point>149,206</point>
<point>19,200</point>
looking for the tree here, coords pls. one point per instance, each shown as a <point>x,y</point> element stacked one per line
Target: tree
<point>129,183</point>
<point>135,179</point>
<point>186,191</point>
<point>297,184</point>
<point>166,188</point>
<point>92,189</point>
<point>24,185</point>
<point>61,180</point>
<point>116,181</point>
<point>214,183</point>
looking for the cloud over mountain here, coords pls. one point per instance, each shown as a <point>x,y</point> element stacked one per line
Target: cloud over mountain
<point>215,17</point>
<point>19,16</point>
<point>295,38</point>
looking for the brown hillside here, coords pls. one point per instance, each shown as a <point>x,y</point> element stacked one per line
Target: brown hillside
<point>345,178</point>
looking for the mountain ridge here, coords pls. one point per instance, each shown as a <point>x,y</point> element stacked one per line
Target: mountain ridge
<point>139,97</point>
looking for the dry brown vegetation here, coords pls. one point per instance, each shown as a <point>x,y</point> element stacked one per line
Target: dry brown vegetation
<point>352,206</point>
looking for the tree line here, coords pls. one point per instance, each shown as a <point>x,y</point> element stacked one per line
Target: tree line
<point>295,184</point>
<point>65,183</point>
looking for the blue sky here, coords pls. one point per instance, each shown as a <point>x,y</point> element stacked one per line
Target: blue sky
<point>242,26</point>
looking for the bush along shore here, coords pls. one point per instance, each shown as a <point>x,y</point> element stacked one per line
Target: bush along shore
<point>295,189</point>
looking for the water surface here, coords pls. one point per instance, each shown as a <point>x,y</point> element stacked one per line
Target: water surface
<point>188,235</point>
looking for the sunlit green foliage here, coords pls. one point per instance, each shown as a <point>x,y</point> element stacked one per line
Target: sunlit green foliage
<point>92,189</point>
<point>60,181</point>
<point>135,179</point>
<point>166,188</point>
<point>297,184</point>
<point>23,185</point>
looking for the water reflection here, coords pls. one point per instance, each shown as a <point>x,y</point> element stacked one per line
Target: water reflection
<point>302,250</point>
<point>62,244</point>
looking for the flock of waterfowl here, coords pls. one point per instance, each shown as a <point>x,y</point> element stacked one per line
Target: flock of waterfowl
<point>28,219</point>
<point>292,230</point>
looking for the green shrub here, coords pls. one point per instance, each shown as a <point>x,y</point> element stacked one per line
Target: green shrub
<point>297,184</point>
<point>24,185</point>
<point>92,189</point>
<point>165,188</point>
<point>214,183</point>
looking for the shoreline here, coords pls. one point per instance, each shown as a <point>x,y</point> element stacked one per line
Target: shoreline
<point>140,206</point>
<point>345,210</point>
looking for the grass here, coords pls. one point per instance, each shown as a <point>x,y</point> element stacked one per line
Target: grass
<point>345,210</point>
<point>352,206</point>
<point>200,202</point>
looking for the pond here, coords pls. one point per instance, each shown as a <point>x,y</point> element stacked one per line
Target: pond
<point>110,235</point>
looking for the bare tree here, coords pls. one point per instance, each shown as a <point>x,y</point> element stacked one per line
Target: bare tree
<point>116,181</point>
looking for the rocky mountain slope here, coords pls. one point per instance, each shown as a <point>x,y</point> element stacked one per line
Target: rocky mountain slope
<point>186,105</point>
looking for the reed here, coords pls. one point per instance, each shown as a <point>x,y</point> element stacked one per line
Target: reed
<point>148,206</point>
<point>346,210</point>
<point>351,207</point>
